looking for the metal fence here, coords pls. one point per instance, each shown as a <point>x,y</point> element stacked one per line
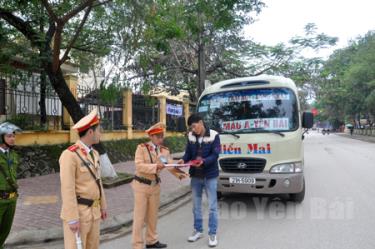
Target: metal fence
<point>20,95</point>
<point>368,131</point>
<point>145,111</point>
<point>110,111</point>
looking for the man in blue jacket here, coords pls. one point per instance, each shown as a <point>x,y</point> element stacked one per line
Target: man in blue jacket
<point>203,150</point>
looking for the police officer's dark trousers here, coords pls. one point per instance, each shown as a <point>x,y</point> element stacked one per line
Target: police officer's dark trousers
<point>7,211</point>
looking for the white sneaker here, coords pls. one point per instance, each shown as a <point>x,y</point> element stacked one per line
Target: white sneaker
<point>195,236</point>
<point>212,241</point>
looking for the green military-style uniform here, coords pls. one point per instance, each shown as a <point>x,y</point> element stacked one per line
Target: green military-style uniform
<point>8,189</point>
<point>9,162</point>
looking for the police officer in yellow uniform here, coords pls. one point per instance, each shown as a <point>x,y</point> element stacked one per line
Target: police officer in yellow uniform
<point>149,162</point>
<point>83,198</point>
<point>8,179</point>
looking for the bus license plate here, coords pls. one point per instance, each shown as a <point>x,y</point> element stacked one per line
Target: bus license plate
<point>242,180</point>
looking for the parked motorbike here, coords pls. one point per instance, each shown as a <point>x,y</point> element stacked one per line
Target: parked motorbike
<point>325,131</point>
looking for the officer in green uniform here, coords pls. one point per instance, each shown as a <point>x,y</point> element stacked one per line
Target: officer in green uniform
<point>8,179</point>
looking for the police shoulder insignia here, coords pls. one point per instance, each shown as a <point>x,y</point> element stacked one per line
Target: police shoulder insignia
<point>164,148</point>
<point>83,151</point>
<point>149,147</point>
<point>73,148</point>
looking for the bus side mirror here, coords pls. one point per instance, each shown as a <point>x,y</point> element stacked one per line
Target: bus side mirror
<point>307,120</point>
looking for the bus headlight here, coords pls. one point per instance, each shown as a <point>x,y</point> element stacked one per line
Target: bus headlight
<point>286,168</point>
<point>298,167</point>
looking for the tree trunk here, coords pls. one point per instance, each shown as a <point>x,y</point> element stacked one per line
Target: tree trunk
<point>201,68</point>
<point>43,77</point>
<point>67,99</point>
<point>42,100</point>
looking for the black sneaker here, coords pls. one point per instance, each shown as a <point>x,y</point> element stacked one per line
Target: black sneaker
<point>157,245</point>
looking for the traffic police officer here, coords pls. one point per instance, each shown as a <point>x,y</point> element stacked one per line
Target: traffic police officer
<point>149,161</point>
<point>83,199</point>
<point>8,179</point>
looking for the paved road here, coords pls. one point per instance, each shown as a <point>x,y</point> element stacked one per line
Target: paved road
<point>338,211</point>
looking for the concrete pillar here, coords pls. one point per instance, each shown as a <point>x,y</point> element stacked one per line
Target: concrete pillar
<point>127,112</point>
<point>162,109</point>
<point>186,111</point>
<point>71,81</point>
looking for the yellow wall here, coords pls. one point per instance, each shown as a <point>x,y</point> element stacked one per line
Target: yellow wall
<point>114,135</point>
<point>29,138</point>
<point>174,134</point>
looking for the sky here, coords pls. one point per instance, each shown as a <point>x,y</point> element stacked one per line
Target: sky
<point>283,19</point>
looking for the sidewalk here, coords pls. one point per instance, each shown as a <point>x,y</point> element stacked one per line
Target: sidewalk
<point>38,209</point>
<point>370,139</point>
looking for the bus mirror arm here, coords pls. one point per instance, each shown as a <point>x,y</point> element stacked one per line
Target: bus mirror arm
<point>303,134</point>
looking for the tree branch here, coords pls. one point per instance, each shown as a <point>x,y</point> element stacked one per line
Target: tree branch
<point>165,70</point>
<point>21,26</point>
<point>84,50</point>
<point>262,71</point>
<point>50,11</point>
<point>188,70</point>
<point>232,73</point>
<point>214,67</point>
<point>51,30</point>
<point>101,3</point>
<point>82,46</point>
<point>76,10</point>
<point>56,48</point>
<point>75,37</point>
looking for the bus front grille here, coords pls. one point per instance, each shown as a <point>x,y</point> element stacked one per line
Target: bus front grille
<point>242,165</point>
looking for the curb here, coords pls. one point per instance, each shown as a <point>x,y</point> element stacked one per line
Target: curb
<point>369,139</point>
<point>30,237</point>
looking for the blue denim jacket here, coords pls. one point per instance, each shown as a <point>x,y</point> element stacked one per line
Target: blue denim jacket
<point>210,149</point>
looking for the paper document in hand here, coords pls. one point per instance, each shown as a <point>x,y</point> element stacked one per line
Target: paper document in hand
<point>177,165</point>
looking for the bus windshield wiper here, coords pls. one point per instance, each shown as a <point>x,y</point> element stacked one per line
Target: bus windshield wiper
<point>268,131</point>
<point>230,133</point>
<point>278,133</point>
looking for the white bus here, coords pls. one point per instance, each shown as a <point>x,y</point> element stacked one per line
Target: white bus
<point>261,131</point>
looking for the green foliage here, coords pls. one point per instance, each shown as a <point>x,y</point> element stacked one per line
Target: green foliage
<point>348,81</point>
<point>26,122</point>
<point>171,33</point>
<point>175,144</point>
<point>110,94</point>
<point>95,38</point>
<point>370,102</point>
<point>124,150</point>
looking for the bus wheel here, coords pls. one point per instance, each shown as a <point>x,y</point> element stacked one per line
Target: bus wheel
<point>219,195</point>
<point>298,197</point>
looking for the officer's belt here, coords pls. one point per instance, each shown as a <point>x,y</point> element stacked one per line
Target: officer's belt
<point>8,195</point>
<point>88,202</point>
<point>147,181</point>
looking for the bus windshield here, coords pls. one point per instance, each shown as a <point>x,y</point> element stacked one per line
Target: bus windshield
<point>252,110</point>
